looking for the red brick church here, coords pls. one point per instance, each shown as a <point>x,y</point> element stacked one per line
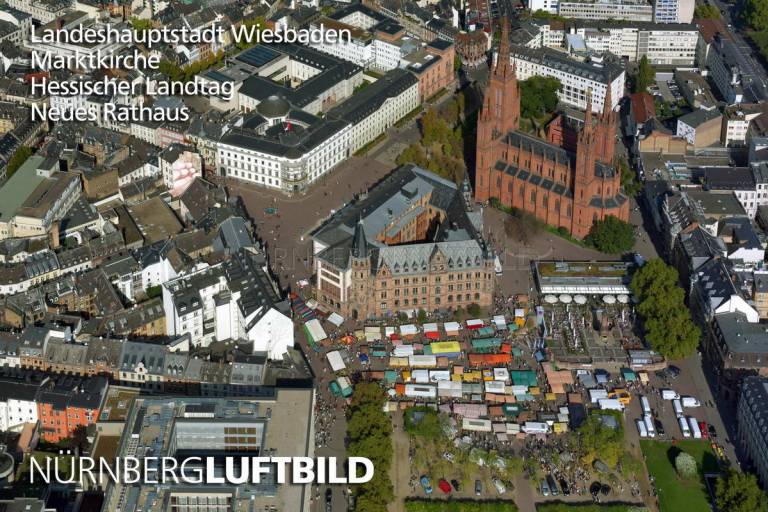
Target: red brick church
<point>545,177</point>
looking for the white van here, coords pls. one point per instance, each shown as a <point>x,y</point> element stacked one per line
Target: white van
<point>684,427</point>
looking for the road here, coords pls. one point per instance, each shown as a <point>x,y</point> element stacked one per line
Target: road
<point>751,67</point>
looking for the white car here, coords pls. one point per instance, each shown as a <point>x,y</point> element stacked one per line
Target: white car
<point>448,456</point>
<point>499,485</point>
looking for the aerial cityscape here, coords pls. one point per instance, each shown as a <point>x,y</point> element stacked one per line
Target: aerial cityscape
<point>383,255</point>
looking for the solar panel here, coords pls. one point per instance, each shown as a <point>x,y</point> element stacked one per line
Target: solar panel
<point>258,56</point>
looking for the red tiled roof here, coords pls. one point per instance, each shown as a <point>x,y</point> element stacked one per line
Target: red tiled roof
<point>643,107</point>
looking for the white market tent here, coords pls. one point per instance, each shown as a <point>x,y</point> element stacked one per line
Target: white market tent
<point>609,299</point>
<point>430,328</point>
<point>500,321</point>
<point>389,331</point>
<point>623,298</point>
<point>551,299</point>
<point>475,323</point>
<point>580,299</point>
<point>565,298</point>
<point>452,328</point>
<point>373,333</point>
<point>336,319</point>
<point>519,312</point>
<point>336,361</point>
<point>315,331</point>
<point>408,330</point>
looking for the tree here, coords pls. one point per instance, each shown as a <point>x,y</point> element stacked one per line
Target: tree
<point>629,179</point>
<point>140,25</point>
<point>425,423</point>
<point>739,492</point>
<point>599,441</point>
<point>421,316</point>
<point>259,22</point>
<point>154,291</point>
<point>611,235</point>
<point>685,465</point>
<point>17,160</point>
<point>756,14</point>
<point>667,321</point>
<point>369,433</point>
<point>473,310</point>
<point>521,225</point>
<point>538,96</point>
<point>706,11</point>
<point>645,75</point>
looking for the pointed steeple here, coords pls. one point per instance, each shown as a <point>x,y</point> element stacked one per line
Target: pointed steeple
<point>607,109</point>
<point>359,243</point>
<point>588,112</point>
<point>503,67</point>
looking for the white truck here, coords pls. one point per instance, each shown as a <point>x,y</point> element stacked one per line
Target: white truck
<point>678,408</point>
<point>695,430</point>
<point>641,428</point>
<point>669,394</point>
<point>646,405</point>
<point>648,420</point>
<point>684,426</point>
<point>691,402</point>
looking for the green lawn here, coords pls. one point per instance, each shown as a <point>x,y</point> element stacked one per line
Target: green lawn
<point>588,507</point>
<point>676,494</point>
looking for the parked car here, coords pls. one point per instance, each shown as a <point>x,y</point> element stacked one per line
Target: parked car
<point>478,487</point>
<point>444,486</point>
<point>425,484</point>
<point>712,431</point>
<point>552,485</point>
<point>499,485</point>
<point>544,486</point>
<point>659,428</point>
<point>564,487</point>
<point>328,500</point>
<point>704,430</point>
<point>674,371</point>
<point>456,485</point>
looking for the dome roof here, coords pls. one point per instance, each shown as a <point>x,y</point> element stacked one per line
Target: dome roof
<point>274,106</point>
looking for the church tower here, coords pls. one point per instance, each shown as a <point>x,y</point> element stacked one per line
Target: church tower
<point>500,114</point>
<point>584,173</point>
<point>608,125</point>
<point>360,283</point>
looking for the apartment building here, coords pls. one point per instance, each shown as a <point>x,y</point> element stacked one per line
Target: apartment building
<point>577,78</point>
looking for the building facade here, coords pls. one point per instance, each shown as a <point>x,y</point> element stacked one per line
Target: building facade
<point>523,171</point>
<point>639,10</point>
<point>409,245</point>
<point>576,78</point>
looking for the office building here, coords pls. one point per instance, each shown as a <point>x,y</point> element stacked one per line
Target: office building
<point>278,423</point>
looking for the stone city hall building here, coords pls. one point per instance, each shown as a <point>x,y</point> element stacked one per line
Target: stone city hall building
<point>411,243</point>
<point>560,187</point>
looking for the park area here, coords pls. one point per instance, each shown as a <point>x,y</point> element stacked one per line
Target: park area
<point>676,492</point>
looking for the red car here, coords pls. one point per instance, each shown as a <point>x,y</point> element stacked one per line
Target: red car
<point>444,486</point>
<point>704,430</point>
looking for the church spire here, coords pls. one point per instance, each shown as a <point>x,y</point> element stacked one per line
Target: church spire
<point>359,242</point>
<point>503,67</point>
